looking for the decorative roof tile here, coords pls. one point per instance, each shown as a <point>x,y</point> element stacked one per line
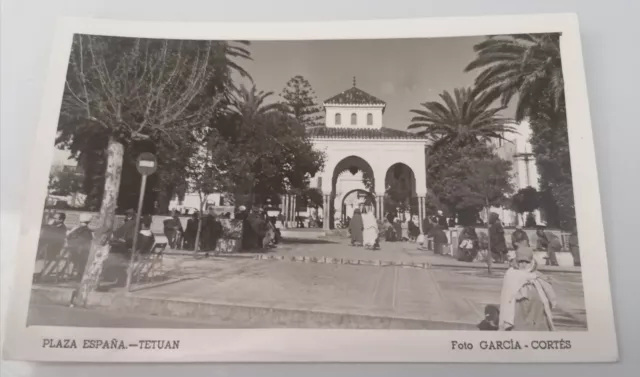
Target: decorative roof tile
<point>361,133</point>
<point>354,96</point>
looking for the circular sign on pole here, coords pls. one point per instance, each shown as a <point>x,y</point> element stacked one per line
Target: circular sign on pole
<point>147,163</point>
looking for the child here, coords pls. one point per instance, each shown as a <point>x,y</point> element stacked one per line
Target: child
<point>491,319</point>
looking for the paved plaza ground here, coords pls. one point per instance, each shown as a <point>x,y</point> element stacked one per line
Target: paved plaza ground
<point>281,293</point>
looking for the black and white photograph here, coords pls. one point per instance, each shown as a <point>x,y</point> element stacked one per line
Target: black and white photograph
<point>400,185</point>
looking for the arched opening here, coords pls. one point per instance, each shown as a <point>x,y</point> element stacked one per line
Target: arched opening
<point>354,119</point>
<point>369,119</point>
<point>338,119</point>
<point>356,198</point>
<point>400,197</point>
<point>351,174</point>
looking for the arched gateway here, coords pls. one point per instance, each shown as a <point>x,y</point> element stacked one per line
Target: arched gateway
<point>363,156</point>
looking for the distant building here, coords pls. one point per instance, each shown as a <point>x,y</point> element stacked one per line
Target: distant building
<point>364,159</point>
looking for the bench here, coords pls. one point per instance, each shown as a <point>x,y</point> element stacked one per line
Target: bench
<point>147,264</point>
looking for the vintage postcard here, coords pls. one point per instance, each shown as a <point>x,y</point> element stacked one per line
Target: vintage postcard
<point>419,190</point>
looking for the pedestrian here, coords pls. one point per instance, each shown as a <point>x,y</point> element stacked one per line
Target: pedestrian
<point>497,242</point>
<point>468,245</point>
<point>53,236</point>
<point>211,231</point>
<point>79,245</point>
<point>124,234</point>
<point>404,226</point>
<point>442,221</point>
<point>574,246</point>
<point>270,238</point>
<point>146,239</point>
<point>439,237</point>
<point>549,242</point>
<point>179,236</point>
<point>389,232</point>
<point>173,230</point>
<point>527,298</point>
<point>397,228</point>
<point>370,230</point>
<point>356,228</point>
<point>191,231</point>
<point>519,236</point>
<point>414,231</point>
<point>52,240</point>
<point>491,319</point>
<point>255,230</point>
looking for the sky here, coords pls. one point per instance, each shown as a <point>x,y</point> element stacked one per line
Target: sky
<point>402,72</point>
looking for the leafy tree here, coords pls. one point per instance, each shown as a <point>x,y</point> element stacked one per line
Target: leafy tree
<point>123,90</point>
<point>466,178</point>
<point>310,197</point>
<point>530,66</point>
<point>486,182</point>
<point>206,173</point>
<point>525,200</point>
<point>65,182</point>
<point>464,117</point>
<point>299,101</point>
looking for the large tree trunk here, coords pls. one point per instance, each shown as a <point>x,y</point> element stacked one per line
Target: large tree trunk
<point>100,244</point>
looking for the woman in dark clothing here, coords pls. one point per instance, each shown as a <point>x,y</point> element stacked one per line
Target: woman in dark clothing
<point>469,245</point>
<point>191,232</point>
<point>497,242</point>
<point>355,228</point>
<point>414,231</point>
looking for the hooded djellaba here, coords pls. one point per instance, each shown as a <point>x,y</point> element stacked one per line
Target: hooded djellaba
<point>355,228</point>
<point>527,297</point>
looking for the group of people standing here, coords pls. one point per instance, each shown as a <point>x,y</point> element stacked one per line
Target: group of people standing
<point>470,243</point>
<point>397,230</point>
<point>259,230</point>
<point>185,238</point>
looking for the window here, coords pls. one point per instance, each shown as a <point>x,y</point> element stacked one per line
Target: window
<point>338,119</point>
<point>369,119</point>
<point>354,119</point>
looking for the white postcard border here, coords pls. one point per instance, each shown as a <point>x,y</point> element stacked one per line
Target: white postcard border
<point>298,345</point>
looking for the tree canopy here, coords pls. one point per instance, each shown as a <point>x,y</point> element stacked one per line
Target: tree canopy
<point>466,178</point>
<point>525,200</point>
<point>299,101</point>
<point>465,117</point>
<point>530,66</point>
<point>149,95</point>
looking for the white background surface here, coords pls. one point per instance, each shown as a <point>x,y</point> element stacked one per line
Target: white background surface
<point>610,38</point>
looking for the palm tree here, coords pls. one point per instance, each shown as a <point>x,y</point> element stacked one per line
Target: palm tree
<point>250,103</point>
<point>464,117</point>
<point>525,64</point>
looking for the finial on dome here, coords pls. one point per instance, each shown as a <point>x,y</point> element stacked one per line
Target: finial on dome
<point>354,81</point>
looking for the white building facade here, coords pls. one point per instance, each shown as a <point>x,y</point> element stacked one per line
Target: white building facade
<point>363,157</point>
